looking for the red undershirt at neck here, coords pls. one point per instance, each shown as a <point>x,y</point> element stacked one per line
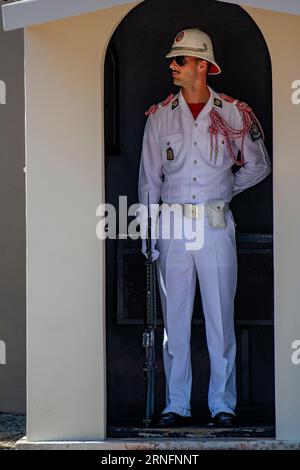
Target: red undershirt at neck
<point>196,108</point>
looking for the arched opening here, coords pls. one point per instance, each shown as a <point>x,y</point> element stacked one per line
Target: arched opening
<point>136,77</point>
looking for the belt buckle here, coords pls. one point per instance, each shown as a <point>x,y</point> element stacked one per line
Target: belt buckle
<point>191,210</point>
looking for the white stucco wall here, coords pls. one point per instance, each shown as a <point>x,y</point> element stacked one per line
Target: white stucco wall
<point>65,183</point>
<point>282,34</point>
<point>65,261</point>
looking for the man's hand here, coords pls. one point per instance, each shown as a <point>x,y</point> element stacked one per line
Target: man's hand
<point>154,252</point>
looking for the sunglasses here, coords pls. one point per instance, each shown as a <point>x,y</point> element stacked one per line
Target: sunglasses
<point>180,60</point>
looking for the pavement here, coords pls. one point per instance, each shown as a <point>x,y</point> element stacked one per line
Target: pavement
<point>12,428</point>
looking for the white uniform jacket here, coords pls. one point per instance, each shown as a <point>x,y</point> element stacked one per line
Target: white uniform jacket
<point>177,164</point>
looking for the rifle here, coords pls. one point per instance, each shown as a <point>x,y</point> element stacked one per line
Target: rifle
<point>149,325</point>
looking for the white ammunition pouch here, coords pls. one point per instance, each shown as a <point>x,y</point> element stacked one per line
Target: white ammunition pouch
<point>216,213</point>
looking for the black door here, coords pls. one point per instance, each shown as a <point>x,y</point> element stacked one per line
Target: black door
<point>136,77</point>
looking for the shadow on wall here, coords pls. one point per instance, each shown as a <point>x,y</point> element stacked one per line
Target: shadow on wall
<point>12,234</point>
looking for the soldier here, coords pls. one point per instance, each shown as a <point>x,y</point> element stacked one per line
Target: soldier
<point>191,141</point>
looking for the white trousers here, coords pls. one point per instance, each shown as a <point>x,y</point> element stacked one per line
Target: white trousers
<point>215,265</point>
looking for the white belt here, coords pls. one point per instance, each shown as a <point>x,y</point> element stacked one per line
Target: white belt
<point>195,211</point>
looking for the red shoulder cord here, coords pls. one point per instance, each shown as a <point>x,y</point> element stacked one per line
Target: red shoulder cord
<point>220,126</point>
<point>155,107</point>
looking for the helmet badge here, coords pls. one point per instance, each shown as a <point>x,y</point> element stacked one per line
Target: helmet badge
<point>179,36</point>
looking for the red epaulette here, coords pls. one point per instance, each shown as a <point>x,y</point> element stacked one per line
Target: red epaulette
<point>241,105</point>
<point>155,107</point>
<point>228,98</point>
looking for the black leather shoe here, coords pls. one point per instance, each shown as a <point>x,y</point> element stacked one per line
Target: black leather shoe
<point>224,420</point>
<point>171,420</point>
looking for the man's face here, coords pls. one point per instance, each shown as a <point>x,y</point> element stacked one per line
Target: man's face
<point>186,73</point>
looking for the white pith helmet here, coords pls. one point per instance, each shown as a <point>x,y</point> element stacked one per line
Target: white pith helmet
<point>195,43</point>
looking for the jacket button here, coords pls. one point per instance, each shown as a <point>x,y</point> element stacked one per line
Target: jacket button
<point>195,161</point>
<point>194,179</point>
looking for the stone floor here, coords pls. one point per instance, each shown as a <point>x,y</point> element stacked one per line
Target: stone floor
<point>192,432</point>
<point>12,428</point>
